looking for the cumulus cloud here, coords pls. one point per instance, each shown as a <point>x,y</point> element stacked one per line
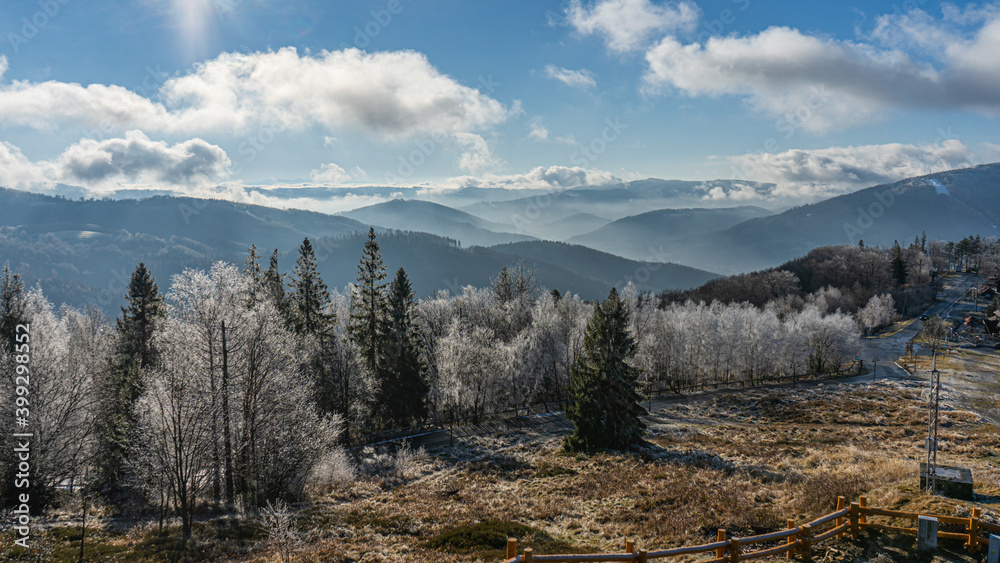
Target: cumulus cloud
<point>134,160</point>
<point>582,78</point>
<point>476,155</point>
<point>550,178</point>
<point>17,171</point>
<point>386,94</point>
<point>330,173</point>
<point>815,174</point>
<point>819,83</point>
<point>627,25</point>
<point>3,65</point>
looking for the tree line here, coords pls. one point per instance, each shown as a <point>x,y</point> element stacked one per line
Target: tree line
<point>236,383</point>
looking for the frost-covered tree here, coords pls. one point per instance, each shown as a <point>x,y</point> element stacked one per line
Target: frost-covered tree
<point>604,404</point>
<point>277,429</point>
<point>64,350</point>
<point>878,312</point>
<point>177,422</point>
<point>473,367</point>
<point>513,291</point>
<point>829,340</point>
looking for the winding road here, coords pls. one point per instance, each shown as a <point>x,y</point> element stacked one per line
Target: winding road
<point>889,348</point>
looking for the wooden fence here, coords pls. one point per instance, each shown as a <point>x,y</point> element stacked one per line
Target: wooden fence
<point>793,542</point>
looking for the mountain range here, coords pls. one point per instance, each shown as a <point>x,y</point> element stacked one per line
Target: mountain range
<point>946,205</point>
<point>83,251</point>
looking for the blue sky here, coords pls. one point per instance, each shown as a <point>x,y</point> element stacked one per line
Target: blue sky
<point>190,95</point>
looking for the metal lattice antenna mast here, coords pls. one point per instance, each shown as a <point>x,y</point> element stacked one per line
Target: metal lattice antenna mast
<point>932,426</point>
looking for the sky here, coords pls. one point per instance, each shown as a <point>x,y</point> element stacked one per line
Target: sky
<point>207,97</point>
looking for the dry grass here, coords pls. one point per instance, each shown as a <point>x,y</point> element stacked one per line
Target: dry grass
<point>744,463</point>
<point>741,462</point>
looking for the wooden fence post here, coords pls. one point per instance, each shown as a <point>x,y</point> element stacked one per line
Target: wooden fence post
<point>863,503</point>
<point>511,548</point>
<point>974,531</point>
<point>840,506</point>
<point>855,512</point>
<point>734,550</point>
<point>807,548</point>
<point>629,546</point>
<point>642,556</point>
<point>528,556</point>
<point>721,552</point>
<point>790,524</point>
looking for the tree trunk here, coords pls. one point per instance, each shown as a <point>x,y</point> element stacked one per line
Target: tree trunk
<point>228,445</point>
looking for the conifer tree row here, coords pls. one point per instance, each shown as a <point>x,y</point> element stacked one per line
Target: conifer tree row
<point>382,328</point>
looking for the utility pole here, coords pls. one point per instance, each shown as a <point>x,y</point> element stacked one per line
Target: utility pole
<point>932,426</point>
<point>874,367</point>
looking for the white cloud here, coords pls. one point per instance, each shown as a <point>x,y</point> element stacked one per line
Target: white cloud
<point>132,161</point>
<point>540,133</point>
<point>539,178</point>
<point>627,25</point>
<point>582,78</point>
<point>386,94</point>
<point>4,65</point>
<point>476,156</point>
<point>819,84</point>
<point>17,171</point>
<point>815,174</point>
<point>735,192</point>
<point>330,173</point>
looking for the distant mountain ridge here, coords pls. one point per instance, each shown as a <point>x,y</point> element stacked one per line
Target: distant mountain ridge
<point>429,217</point>
<point>83,252</point>
<point>947,205</point>
<point>641,236</point>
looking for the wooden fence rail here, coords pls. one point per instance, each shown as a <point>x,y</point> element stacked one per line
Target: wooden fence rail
<point>793,542</point>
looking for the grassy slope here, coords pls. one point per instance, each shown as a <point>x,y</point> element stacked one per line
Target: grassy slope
<point>742,462</point>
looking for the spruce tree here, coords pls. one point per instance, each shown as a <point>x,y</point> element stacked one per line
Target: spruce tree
<point>134,351</point>
<point>254,273</point>
<point>309,298</point>
<point>898,264</point>
<point>604,404</point>
<point>274,286</point>
<point>404,386</point>
<point>503,286</point>
<point>12,306</point>
<point>369,306</point>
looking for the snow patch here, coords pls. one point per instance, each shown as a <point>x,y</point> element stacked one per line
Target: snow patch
<point>940,188</point>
